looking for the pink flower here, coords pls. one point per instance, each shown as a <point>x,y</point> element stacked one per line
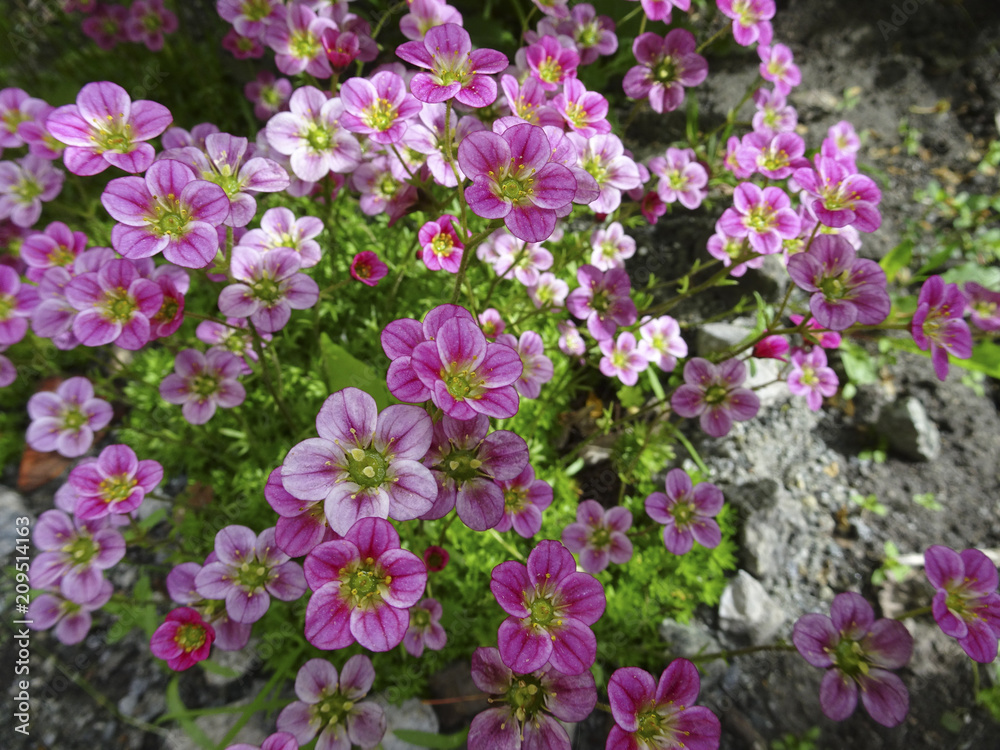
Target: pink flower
<point>777,67</point>
<point>938,324</point>
<point>115,483</point>
<point>775,156</point>
<point>715,395</point>
<point>611,247</point>
<point>686,512</point>
<point>251,18</point>
<point>662,343</point>
<point>982,303</point>
<point>667,65</point>
<point>424,15</point>
<point>65,421</point>
<point>537,367</point>
<point>603,158</point>
<point>682,178</point>
<point>771,347</point>
<point>280,228</point>
<point>74,555</point>
<point>367,268</point>
<point>966,605</point>
<point>25,185</point>
<point>379,107</point>
<point>70,619</point>
<point>106,127</point>
<point>598,536</point>
<point>603,300</point>
<point>457,71</point>
<point>269,94</point>
<point>425,628</point>
<point>17,303</point>
<point>242,47</point>
<point>183,640</point>
<point>441,247</point>
<point>491,323</point>
<point>751,20</point>
<point>549,292</point>
<point>773,116</point>
<point>584,111</point>
<point>270,287</point>
<point>839,196</point>
<point>297,44</point>
<point>593,35</point>
<point>107,26</point>
<point>363,586</point>
<point>764,216</point>
<point>57,246</point>
<point>810,377</point>
<point>826,339</point>
<point>524,499</point>
<point>201,382</point>
<point>551,63</point>
<point>148,21</point>
<point>622,359</point>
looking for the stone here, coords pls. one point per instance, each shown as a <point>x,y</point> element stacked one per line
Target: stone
<point>909,430</point>
<point>747,612</point>
<point>12,507</point>
<point>410,714</point>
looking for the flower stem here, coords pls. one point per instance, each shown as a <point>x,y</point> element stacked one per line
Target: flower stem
<point>914,613</point>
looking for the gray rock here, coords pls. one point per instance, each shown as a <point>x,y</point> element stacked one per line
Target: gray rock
<point>410,714</point>
<point>694,639</point>
<point>747,612</point>
<point>910,431</point>
<point>12,507</point>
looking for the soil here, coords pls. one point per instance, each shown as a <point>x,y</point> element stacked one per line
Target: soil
<point>900,59</point>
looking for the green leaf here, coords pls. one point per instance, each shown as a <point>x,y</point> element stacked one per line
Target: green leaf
<point>654,383</point>
<point>427,739</point>
<point>210,666</point>
<point>341,369</point>
<point>897,259</point>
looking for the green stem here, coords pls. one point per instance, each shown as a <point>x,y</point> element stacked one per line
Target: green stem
<point>470,248</point>
<point>739,652</point>
<point>919,611</point>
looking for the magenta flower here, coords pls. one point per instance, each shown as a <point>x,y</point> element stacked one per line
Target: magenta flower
<point>857,652</point>
<point>247,571</point>
<point>839,196</point>
<point>773,116</point>
<point>230,635</point>
<point>982,303</point>
<point>491,323</point>
<point>425,628</point>
<point>966,605</point>
<point>526,260</point>
<point>771,347</point>
<point>611,247</point>
<point>424,15</point>
<point>529,705</point>
<point>938,324</point>
<point>465,461</point>
<point>751,20</point>
<point>515,180</point>
<point>379,108</point>
<point>115,305</point>
<point>660,715</point>
<point>440,245</point>
<point>457,71</point>
<point>537,367</point>
<point>661,342</point>
<point>17,303</point>
<point>297,44</point>
<point>436,558</point>
<point>598,536</point>
<point>107,26</point>
<point>603,300</point>
<point>667,65</point>
<point>65,421</point>
<point>202,382</point>
<point>301,524</point>
<point>682,178</point>
<point>550,608</point>
<point>330,705</point>
<point>269,94</point>
<point>183,640</point>
<point>660,10</point>
<point>57,246</point>
<point>777,66</point>
<point>524,499</point>
<point>765,217</point>
<point>549,292</point>
<point>363,464</point>
<point>70,619</point>
<point>687,513</point>
<point>242,47</point>
<point>550,62</point>
<point>270,287</point>
<point>810,377</point>
<point>106,127</point>
<point>715,395</point>
<point>363,586</point>
<point>25,185</point>
<point>622,358</point>
<point>603,158</point>
<point>381,190</point>
<point>276,741</point>
<point>775,156</point>
<point>841,143</point>
<point>169,210</point>
<point>584,111</point>
<point>593,35</point>
<point>75,554</point>
<point>115,483</point>
<point>251,18</point>
<point>147,23</point>
<point>280,228</point>
<point>367,268</point>
<point>233,336</point>
<point>845,289</point>
<point>16,107</point>
<point>311,135</point>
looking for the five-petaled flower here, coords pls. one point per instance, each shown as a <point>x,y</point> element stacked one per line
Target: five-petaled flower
<point>183,640</point>
<point>715,394</point>
<point>687,512</point>
<point>938,324</point>
<point>966,605</point>
<point>598,536</point>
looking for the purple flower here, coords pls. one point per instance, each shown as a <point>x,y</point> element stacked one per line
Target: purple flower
<point>603,300</point>
<point>311,135</point>
<point>202,382</point>
<point>381,190</point>
<point>660,715</point>
<point>16,107</point>
<point>424,15</point>
<point>234,337</point>
<point>751,20</point>
<point>611,247</point>
<point>529,704</point>
<point>106,127</point>
<point>687,512</point>
<point>549,292</point>
<point>938,324</point>
<point>662,342</point>
<point>598,536</point>
<point>982,303</point>
<point>107,26</point>
<point>550,62</point>
<point>857,651</point>
<point>550,608</point>
<point>773,116</point>
<point>966,605</point>
<point>276,741</point>
<point>537,367</point>
<point>25,185</point>
<point>65,421</point>
<point>425,628</point>
<point>845,289</point>
<point>622,358</point>
<point>367,268</point>
<point>667,65</point>
<point>775,156</point>
<point>682,178</point>
<point>839,196</point>
<point>280,228</point>
<point>465,461</point>
<point>331,705</point>
<point>70,619</point>
<point>363,586</point>
<point>714,393</point>
<point>584,111</point>
<point>457,71</point>
<point>58,246</point>
<point>75,554</point>
<point>297,44</point>
<point>183,640</point>
<point>463,373</point>
<point>763,216</point>
<point>270,287</point>
<point>17,303</point>
<point>524,499</point>
<point>603,158</point>
<point>147,23</point>
<point>593,35</point>
<point>269,94</point>
<point>248,570</point>
<point>776,66</point>
<point>363,464</point>
<point>810,377</point>
<point>169,210</point>
<point>115,483</point>
<point>440,244</point>
<point>515,180</point>
<point>250,18</point>
<point>301,524</point>
<point>379,108</point>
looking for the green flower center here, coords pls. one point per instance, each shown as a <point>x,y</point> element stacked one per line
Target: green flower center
<point>683,514</point>
<point>114,135</point>
<point>367,467</point>
<point>461,465</point>
<point>460,384</point>
<point>666,71</point>
<point>116,488</point>
<point>204,385</point>
<point>576,114</point>
<point>256,10</point>
<point>118,305</point>
<point>809,376</point>
<point>419,618</point>
<point>514,499</point>
<point>456,70</point>
<point>527,697</point>
<point>332,711</point>
<point>304,45</point>
<point>12,118</point>
<point>267,290</point>
<point>715,394</point>
<point>61,256</point>
<point>361,583</point>
<point>169,218</point>
<point>985,309</point>
<point>28,189</point>
<point>270,96</point>
<point>654,727</point>
<point>760,219</point>
<point>225,179</point>
<point>600,538</point>
<point>190,636</point>
<point>775,160</point>
<point>152,22</point>
<point>81,550</point>
<point>167,312</point>
<point>542,612</point>
<point>253,575</point>
<point>319,138</point>
<point>850,658</point>
<point>379,115</point>
<point>835,200</point>
<point>550,70</point>
<point>8,303</point>
<point>596,168</point>
<point>73,418</point>
<point>442,244</point>
<point>387,186</point>
<point>589,35</point>
<point>834,287</point>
